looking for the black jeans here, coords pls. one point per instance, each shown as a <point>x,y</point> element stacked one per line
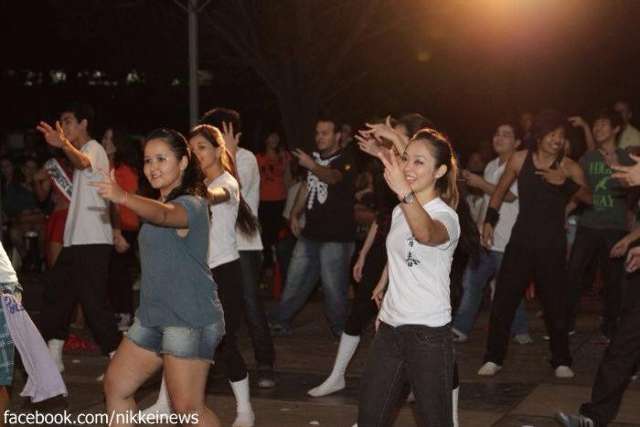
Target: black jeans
<point>271,220</point>
<point>80,274</point>
<point>363,309</point>
<point>229,280</point>
<point>620,360</point>
<point>546,266</point>
<point>415,354</point>
<point>123,269</point>
<point>593,245</point>
<point>251,262</point>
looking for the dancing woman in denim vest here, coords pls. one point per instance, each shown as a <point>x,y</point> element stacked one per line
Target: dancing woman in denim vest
<point>413,342</point>
<point>179,322</point>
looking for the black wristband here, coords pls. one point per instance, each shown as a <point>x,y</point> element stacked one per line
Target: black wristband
<point>569,187</point>
<point>492,216</point>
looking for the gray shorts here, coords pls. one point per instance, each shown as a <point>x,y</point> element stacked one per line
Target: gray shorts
<point>178,341</point>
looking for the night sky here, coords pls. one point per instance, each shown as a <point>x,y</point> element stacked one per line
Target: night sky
<point>465,64</point>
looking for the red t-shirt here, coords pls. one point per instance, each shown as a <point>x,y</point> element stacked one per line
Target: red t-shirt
<point>272,187</point>
<point>127,178</point>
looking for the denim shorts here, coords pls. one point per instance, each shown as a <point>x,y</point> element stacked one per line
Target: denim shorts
<point>178,341</point>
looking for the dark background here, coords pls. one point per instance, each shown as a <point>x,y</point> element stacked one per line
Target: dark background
<point>465,64</point>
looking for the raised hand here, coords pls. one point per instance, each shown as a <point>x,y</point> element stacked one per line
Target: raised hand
<point>367,143</point>
<point>54,137</point>
<point>231,140</point>
<point>393,173</point>
<point>305,160</point>
<point>578,122</point>
<point>472,179</point>
<point>109,189</point>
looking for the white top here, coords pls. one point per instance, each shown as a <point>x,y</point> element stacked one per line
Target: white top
<point>88,220</point>
<point>418,292</point>
<point>630,137</point>
<point>508,210</point>
<point>7,273</point>
<point>223,247</point>
<point>249,175</point>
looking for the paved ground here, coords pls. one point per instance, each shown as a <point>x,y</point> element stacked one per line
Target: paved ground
<point>525,393</point>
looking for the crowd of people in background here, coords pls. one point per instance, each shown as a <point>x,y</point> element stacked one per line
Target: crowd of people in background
<point>547,211</point>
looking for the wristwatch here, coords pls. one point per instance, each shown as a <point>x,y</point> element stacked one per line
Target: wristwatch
<point>408,198</point>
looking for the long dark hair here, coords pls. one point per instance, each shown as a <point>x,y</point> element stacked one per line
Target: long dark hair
<point>246,222</point>
<point>192,179</point>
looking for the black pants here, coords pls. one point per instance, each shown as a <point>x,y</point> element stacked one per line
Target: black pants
<point>620,360</point>
<point>80,274</point>
<point>418,355</point>
<point>270,214</point>
<point>363,308</point>
<point>593,246</point>
<point>546,266</point>
<point>229,280</point>
<point>257,324</point>
<point>122,273</point>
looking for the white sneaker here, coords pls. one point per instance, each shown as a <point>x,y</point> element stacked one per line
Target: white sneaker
<point>55,350</point>
<point>489,369</point>
<point>523,339</point>
<point>563,371</point>
<point>244,419</point>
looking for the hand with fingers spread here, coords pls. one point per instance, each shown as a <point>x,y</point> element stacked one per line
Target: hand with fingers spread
<point>109,189</point>
<point>554,176</point>
<point>367,143</point>
<point>633,260</point>
<point>393,173</point>
<point>231,140</point>
<point>629,175</point>
<point>54,137</point>
<point>384,130</point>
<point>305,160</point>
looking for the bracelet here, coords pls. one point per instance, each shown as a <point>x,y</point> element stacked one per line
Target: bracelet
<point>492,216</point>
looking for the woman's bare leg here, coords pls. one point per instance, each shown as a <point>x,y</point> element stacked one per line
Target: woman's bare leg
<point>186,381</point>
<point>130,367</point>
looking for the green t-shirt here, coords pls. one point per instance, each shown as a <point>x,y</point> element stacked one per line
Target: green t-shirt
<point>609,209</point>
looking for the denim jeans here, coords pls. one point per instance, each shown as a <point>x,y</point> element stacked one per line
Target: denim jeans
<point>251,262</point>
<point>409,354</point>
<point>473,284</point>
<point>312,259</point>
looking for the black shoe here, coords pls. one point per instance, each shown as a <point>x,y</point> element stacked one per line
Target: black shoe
<point>568,420</point>
<point>266,377</point>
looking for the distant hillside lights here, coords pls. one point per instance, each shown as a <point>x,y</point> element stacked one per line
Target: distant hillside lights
<point>31,78</point>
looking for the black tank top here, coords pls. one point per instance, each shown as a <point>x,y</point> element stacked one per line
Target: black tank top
<point>541,215</point>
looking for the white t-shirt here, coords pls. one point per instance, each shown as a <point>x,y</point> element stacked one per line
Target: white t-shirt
<point>630,137</point>
<point>88,221</point>
<point>7,273</point>
<point>418,292</point>
<point>249,175</point>
<point>223,247</point>
<point>508,210</point>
